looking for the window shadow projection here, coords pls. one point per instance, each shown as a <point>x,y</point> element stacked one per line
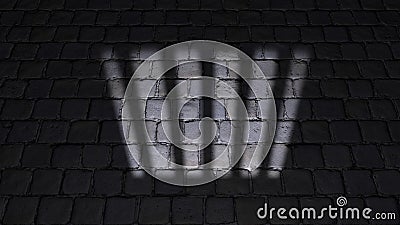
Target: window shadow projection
<point>117,69</point>
<point>281,64</point>
<point>291,64</point>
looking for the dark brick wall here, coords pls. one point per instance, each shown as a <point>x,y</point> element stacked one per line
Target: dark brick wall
<point>333,65</point>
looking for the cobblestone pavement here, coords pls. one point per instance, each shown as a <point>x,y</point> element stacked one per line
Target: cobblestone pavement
<point>334,70</point>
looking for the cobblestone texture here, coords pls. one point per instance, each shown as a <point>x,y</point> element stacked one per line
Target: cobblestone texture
<point>64,64</point>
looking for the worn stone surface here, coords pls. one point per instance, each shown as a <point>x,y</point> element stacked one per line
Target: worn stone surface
<point>333,66</point>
